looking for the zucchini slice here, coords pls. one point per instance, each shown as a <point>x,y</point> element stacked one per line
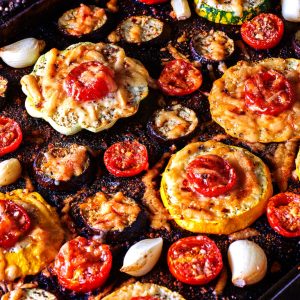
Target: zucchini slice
<point>85,21</point>
<point>141,30</point>
<point>212,46</point>
<point>231,12</point>
<point>172,124</point>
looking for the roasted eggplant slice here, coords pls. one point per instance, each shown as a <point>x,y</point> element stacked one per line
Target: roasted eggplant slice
<point>86,21</point>
<point>211,46</point>
<point>141,30</point>
<point>114,217</point>
<point>64,168</point>
<point>3,89</point>
<point>173,124</point>
<point>296,43</point>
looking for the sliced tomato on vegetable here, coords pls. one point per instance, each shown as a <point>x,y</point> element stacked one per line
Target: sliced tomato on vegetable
<point>263,32</point>
<point>90,81</point>
<point>210,175</point>
<point>283,212</point>
<point>179,78</point>
<point>83,265</point>
<point>10,135</point>
<point>195,260</point>
<point>150,2</point>
<point>14,222</point>
<point>126,158</point>
<point>268,92</point>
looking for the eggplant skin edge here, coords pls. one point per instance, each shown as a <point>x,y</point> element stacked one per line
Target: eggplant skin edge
<point>74,183</point>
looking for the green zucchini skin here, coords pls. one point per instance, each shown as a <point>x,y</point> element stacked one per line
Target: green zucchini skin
<point>227,17</point>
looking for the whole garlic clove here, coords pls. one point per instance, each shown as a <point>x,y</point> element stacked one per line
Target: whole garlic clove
<point>142,257</point>
<point>23,53</point>
<point>248,262</point>
<point>10,171</point>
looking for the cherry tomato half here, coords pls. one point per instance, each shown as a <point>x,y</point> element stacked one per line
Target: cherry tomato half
<point>150,2</point>
<point>210,175</point>
<point>179,78</point>
<point>195,260</point>
<point>90,81</point>
<point>14,222</point>
<point>263,32</point>
<point>83,265</point>
<point>283,212</point>
<point>268,92</point>
<point>10,135</point>
<point>126,158</point>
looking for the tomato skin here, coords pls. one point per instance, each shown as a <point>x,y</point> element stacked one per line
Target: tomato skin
<point>14,222</point>
<point>270,36</point>
<point>151,2</point>
<point>179,78</point>
<point>88,261</point>
<point>275,215</point>
<point>126,159</point>
<point>182,257</point>
<point>10,135</point>
<point>266,85</point>
<point>90,81</point>
<point>211,175</point>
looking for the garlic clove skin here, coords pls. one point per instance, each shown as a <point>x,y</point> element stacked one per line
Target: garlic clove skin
<point>248,262</point>
<point>142,257</point>
<point>10,171</point>
<point>23,53</point>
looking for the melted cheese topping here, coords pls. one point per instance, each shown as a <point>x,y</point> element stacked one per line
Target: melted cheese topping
<point>64,163</point>
<point>28,294</point>
<point>38,247</point>
<point>115,213</point>
<point>214,45</point>
<point>82,20</point>
<point>228,109</point>
<point>138,29</point>
<point>139,289</point>
<point>47,99</point>
<point>251,185</point>
<point>175,122</point>
<point>3,86</point>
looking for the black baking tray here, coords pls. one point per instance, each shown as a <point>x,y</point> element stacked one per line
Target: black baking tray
<point>288,287</point>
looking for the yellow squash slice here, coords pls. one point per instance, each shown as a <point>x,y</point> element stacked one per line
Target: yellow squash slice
<point>39,246</point>
<point>224,214</point>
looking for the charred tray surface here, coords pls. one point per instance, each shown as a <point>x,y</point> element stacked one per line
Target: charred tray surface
<point>282,253</point>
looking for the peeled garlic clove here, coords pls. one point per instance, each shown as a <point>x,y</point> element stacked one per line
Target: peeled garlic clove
<point>10,171</point>
<point>23,53</point>
<point>142,257</point>
<point>248,262</point>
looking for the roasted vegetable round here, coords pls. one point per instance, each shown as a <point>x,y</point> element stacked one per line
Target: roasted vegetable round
<point>114,217</point>
<point>85,21</point>
<point>212,46</point>
<point>173,124</point>
<point>141,30</point>
<point>64,168</point>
